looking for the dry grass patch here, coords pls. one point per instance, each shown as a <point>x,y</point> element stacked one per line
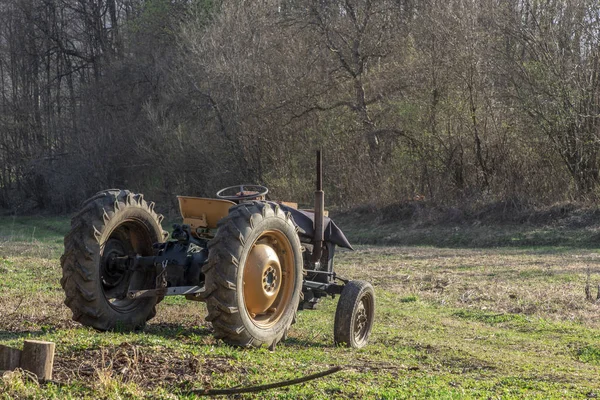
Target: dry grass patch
<point>146,367</point>
<point>537,282</point>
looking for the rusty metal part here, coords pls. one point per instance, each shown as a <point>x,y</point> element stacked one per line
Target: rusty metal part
<point>319,213</point>
<point>243,192</point>
<point>197,291</point>
<point>363,318</point>
<point>288,204</point>
<point>247,193</point>
<point>361,321</point>
<point>262,278</point>
<point>268,278</point>
<point>329,288</point>
<point>198,212</point>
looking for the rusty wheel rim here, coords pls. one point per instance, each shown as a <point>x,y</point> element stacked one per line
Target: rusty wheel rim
<point>362,319</point>
<point>268,278</point>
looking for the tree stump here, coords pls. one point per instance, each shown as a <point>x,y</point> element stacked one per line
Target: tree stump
<point>38,357</point>
<point>9,358</point>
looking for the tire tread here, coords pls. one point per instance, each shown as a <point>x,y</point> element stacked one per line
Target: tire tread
<point>80,259</point>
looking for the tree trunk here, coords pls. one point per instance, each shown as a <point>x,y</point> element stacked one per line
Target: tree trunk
<point>38,357</point>
<point>9,358</point>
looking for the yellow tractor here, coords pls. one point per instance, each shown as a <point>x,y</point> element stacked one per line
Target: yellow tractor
<point>255,262</point>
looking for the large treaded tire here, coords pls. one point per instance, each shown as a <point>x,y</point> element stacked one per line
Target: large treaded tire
<point>354,315</point>
<point>130,226</point>
<point>237,234</point>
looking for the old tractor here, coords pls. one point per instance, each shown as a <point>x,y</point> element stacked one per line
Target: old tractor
<point>253,261</point>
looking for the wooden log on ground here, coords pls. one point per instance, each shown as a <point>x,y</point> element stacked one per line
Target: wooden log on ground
<point>9,358</point>
<point>38,357</point>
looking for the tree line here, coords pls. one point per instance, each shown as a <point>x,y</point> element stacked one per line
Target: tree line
<point>453,101</point>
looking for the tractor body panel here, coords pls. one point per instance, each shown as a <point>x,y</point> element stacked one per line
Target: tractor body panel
<point>198,212</point>
<point>305,221</point>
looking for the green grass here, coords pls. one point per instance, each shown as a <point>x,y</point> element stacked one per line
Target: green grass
<point>408,299</point>
<point>451,323</point>
<point>589,354</point>
<point>489,318</point>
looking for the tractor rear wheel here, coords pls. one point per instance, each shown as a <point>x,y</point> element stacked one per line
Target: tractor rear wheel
<point>354,314</point>
<point>113,223</point>
<point>253,277</point>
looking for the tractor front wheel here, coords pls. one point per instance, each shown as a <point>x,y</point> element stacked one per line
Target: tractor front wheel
<point>253,275</point>
<point>354,314</point>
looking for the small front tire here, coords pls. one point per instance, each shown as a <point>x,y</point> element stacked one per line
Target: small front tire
<point>354,315</point>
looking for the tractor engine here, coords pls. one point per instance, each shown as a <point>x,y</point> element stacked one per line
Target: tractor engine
<point>176,265</point>
<point>181,258</point>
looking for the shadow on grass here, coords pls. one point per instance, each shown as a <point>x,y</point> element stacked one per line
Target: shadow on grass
<point>306,343</point>
<point>174,331</point>
<point>170,330</point>
<point>14,335</point>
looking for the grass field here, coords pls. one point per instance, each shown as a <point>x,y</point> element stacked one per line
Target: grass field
<point>476,318</point>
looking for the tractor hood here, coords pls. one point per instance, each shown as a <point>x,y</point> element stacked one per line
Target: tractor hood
<point>305,221</point>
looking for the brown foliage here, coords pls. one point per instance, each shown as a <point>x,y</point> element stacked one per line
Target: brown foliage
<point>476,102</point>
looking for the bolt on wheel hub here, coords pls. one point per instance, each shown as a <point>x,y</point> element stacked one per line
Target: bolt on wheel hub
<point>270,280</point>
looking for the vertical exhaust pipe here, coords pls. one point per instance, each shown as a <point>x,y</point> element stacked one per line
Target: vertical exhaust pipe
<point>319,213</point>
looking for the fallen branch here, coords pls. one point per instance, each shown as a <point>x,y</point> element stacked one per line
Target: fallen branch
<point>17,307</point>
<point>260,388</point>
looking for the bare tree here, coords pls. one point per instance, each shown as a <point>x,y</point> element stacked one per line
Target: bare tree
<point>555,76</point>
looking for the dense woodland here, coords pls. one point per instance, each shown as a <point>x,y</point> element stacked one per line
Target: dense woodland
<point>453,102</point>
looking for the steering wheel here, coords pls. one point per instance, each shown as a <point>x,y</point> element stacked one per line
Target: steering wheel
<point>256,191</point>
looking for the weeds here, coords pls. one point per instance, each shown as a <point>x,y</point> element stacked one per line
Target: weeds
<point>18,383</point>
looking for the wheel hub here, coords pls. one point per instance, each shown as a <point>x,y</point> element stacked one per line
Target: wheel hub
<point>111,275</point>
<point>262,279</point>
<point>360,322</point>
